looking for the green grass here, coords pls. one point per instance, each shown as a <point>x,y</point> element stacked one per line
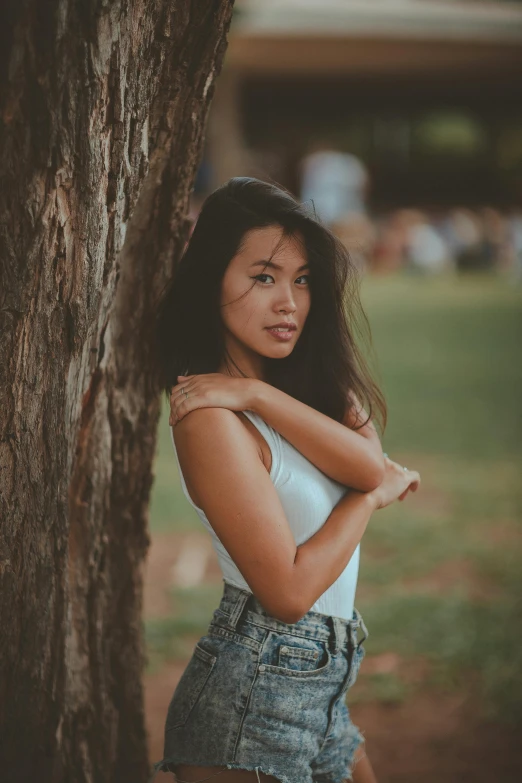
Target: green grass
<point>449,353</point>
<point>440,573</point>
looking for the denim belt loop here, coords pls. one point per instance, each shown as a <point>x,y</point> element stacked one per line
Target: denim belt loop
<point>339,633</point>
<point>237,611</point>
<point>355,624</point>
<point>364,631</point>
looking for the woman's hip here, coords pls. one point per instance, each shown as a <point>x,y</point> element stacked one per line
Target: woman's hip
<point>279,671</point>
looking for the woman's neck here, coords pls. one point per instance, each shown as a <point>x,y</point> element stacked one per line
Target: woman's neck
<point>240,362</point>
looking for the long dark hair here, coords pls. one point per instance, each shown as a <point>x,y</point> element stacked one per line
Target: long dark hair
<point>326,363</point>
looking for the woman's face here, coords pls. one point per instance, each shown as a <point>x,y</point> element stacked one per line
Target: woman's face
<point>269,318</point>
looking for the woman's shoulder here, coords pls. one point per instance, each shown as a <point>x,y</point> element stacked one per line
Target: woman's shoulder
<point>205,425</point>
<point>223,429</point>
<point>212,427</point>
<point>211,444</point>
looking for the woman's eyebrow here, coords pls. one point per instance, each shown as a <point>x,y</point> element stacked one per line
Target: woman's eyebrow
<point>276,266</point>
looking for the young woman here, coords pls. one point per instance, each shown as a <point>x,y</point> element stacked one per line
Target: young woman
<point>284,467</point>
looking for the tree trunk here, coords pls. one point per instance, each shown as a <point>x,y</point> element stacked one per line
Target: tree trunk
<point>103,109</point>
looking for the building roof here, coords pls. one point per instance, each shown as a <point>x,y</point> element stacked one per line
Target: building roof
<point>374,37</point>
<point>427,19</point>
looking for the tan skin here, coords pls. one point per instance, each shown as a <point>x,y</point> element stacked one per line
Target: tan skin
<point>226,461</point>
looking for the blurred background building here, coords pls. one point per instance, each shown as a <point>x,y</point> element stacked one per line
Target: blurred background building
<point>426,94</point>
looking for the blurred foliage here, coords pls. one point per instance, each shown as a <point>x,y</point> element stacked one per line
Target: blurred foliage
<point>455,133</point>
<point>508,153</point>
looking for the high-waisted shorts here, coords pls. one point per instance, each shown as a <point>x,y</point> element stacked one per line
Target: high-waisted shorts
<point>260,694</point>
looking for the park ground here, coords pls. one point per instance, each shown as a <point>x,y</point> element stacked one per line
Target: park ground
<point>439,695</point>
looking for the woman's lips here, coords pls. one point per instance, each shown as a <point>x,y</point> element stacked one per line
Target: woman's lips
<point>281,334</point>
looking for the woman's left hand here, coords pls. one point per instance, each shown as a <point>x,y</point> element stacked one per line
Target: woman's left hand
<point>212,390</point>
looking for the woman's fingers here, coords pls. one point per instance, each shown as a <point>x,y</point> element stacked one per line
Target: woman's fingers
<point>177,396</point>
<point>180,399</point>
<point>413,486</point>
<point>178,411</point>
<point>415,483</point>
<point>185,385</point>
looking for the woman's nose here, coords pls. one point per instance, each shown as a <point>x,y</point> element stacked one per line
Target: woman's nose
<point>285,302</point>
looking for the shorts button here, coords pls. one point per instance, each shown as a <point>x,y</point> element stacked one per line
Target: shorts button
<point>262,667</point>
<point>284,649</point>
<point>316,654</point>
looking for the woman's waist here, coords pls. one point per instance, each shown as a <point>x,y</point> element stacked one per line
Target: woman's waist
<point>336,600</point>
<point>314,623</point>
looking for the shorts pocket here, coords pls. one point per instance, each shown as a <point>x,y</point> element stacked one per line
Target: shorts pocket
<point>301,658</point>
<point>189,688</point>
<point>290,656</point>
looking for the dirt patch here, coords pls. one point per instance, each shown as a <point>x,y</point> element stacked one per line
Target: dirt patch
<point>505,532</point>
<point>431,501</point>
<point>411,671</point>
<point>436,738</point>
<point>451,575</point>
<point>159,688</point>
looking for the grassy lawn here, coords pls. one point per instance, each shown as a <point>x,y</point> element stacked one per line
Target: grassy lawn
<point>440,580</point>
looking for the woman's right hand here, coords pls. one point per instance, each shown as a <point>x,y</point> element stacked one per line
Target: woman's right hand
<point>395,485</point>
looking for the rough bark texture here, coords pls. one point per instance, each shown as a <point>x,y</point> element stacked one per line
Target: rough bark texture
<point>103,108</point>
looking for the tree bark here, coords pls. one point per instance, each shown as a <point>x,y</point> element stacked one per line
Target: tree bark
<point>103,109</point>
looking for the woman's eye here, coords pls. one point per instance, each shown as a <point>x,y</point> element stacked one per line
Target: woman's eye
<point>264,278</point>
<point>262,275</point>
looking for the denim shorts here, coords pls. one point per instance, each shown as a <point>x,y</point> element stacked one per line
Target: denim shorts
<point>260,694</point>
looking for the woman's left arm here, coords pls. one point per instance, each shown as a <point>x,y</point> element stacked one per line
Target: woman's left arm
<point>353,458</point>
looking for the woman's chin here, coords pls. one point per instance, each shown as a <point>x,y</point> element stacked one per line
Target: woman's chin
<point>278,351</point>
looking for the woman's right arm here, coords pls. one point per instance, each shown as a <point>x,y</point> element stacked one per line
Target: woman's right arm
<point>323,558</point>
<point>226,477</point>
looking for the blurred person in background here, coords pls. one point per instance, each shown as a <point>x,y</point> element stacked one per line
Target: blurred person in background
<point>392,242</point>
<point>495,238</point>
<point>337,184</point>
<point>515,245</point>
<point>284,468</point>
<point>463,232</point>
<point>426,249</point>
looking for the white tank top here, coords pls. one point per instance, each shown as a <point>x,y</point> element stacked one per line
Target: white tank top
<point>308,497</point>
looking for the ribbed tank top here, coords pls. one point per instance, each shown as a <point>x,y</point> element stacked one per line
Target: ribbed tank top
<point>308,497</point>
